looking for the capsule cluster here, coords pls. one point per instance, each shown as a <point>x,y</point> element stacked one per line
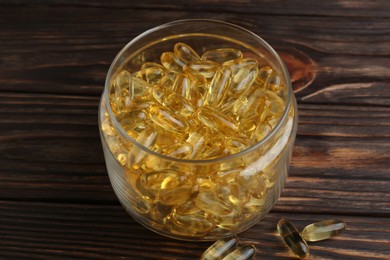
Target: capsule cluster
<point>198,107</point>
<point>229,249</point>
<point>317,231</point>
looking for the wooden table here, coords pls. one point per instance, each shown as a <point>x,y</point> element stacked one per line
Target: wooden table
<point>55,197</point>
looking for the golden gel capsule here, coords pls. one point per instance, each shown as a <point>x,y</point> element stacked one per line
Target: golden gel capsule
<point>197,140</point>
<point>197,91</point>
<point>245,252</point>
<point>185,53</point>
<point>218,87</point>
<point>216,120</point>
<point>236,65</point>
<point>153,74</point>
<point>243,79</point>
<point>189,225</point>
<point>182,85</point>
<point>168,120</point>
<point>323,230</point>
<point>204,68</point>
<point>262,76</point>
<point>172,100</point>
<point>220,249</point>
<point>172,62</point>
<point>292,238</point>
<point>138,88</point>
<point>222,55</point>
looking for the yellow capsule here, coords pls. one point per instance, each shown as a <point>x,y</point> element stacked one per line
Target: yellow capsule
<point>133,122</point>
<point>196,225</point>
<point>215,120</point>
<point>185,53</point>
<point>236,65</point>
<point>263,75</point>
<point>168,120</point>
<point>273,83</point>
<point>182,151</point>
<point>141,205</point>
<point>197,140</point>
<point>244,74</point>
<point>261,131</point>
<point>222,55</point>
<point>243,80</point>
<point>322,230</point>
<point>233,193</point>
<point>255,205</point>
<point>218,87</point>
<point>236,144</point>
<point>220,249</point>
<point>197,91</point>
<point>208,201</point>
<point>203,68</point>
<point>176,196</point>
<point>107,127</point>
<point>253,182</point>
<point>168,80</point>
<point>244,252</point>
<point>160,180</point>
<point>182,85</point>
<point>170,61</point>
<point>291,237</point>
<point>154,74</point>
<point>121,100</point>
<point>172,100</point>
<point>146,138</point>
<point>138,88</point>
<point>159,212</point>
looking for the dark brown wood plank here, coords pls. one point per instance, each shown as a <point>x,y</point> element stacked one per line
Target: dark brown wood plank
<point>50,150</point>
<point>375,8</point>
<point>46,231</point>
<point>45,50</point>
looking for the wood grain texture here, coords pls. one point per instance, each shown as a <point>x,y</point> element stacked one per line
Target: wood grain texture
<point>55,197</point>
<point>48,230</point>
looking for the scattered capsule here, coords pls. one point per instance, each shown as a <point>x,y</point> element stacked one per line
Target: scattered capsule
<point>172,62</point>
<point>218,87</point>
<point>323,230</point>
<point>220,249</point>
<point>185,53</point>
<point>292,238</point>
<point>204,68</point>
<point>215,120</point>
<point>168,120</point>
<point>242,253</point>
<point>222,55</point>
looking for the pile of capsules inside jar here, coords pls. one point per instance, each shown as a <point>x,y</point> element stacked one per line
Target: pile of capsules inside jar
<point>196,107</point>
<point>201,107</point>
<point>230,248</point>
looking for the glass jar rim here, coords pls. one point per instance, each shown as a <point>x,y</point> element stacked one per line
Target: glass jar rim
<point>264,44</point>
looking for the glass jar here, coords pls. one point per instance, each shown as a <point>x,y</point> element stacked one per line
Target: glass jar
<point>205,199</point>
